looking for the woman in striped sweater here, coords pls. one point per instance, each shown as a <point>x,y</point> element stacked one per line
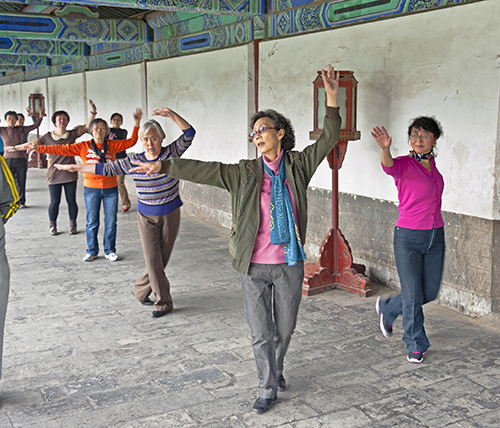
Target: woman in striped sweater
<point>158,212</point>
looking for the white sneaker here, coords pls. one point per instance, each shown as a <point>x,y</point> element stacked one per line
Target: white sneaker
<point>89,258</point>
<point>112,257</point>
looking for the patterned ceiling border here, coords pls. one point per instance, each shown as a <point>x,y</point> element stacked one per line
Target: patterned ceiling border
<point>209,32</point>
<point>67,29</point>
<point>285,19</point>
<point>213,6</point>
<point>42,47</point>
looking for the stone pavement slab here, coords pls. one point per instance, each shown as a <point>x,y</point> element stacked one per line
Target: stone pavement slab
<point>80,351</point>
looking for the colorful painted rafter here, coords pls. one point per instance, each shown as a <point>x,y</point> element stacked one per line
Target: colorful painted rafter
<point>212,6</point>
<point>42,47</point>
<point>289,17</point>
<point>77,30</point>
<point>182,31</point>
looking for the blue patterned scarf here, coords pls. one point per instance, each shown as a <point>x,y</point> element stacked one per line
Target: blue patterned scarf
<point>284,229</point>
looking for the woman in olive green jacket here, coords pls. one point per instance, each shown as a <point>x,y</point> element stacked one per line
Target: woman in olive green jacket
<point>269,211</point>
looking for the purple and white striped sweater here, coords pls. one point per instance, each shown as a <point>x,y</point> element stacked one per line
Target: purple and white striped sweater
<point>158,194</point>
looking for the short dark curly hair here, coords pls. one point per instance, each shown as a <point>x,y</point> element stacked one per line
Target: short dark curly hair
<point>59,113</point>
<point>428,123</point>
<point>279,122</point>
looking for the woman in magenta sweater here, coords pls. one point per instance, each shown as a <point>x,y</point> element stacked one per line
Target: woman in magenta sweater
<point>419,245</point>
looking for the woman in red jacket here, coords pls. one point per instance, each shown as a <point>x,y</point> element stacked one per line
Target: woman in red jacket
<point>98,188</point>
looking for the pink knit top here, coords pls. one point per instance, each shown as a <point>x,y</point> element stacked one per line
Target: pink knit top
<point>263,251</point>
<point>419,193</point>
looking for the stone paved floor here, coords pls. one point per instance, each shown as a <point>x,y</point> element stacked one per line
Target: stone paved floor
<point>80,351</point>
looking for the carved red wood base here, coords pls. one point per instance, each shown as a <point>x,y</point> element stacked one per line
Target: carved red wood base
<point>342,273</point>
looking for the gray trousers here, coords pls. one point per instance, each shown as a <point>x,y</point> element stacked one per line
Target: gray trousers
<point>4,293</point>
<point>271,299</point>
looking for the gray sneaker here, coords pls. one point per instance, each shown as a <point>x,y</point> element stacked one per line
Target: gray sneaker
<point>89,258</point>
<point>415,357</point>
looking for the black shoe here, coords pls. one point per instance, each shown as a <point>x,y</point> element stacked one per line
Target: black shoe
<point>262,405</point>
<point>281,383</point>
<point>147,302</point>
<point>158,314</point>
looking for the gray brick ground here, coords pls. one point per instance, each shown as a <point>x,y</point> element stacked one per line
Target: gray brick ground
<point>80,351</point>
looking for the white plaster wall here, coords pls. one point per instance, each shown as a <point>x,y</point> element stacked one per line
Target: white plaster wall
<point>444,63</point>
<point>117,90</point>
<point>67,93</point>
<point>11,99</point>
<point>210,91</point>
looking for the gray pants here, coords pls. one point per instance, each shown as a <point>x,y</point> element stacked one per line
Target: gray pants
<point>271,298</point>
<point>4,293</point>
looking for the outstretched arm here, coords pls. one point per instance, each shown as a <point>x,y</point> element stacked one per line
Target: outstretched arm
<point>29,146</point>
<point>177,119</point>
<point>384,141</point>
<point>87,168</point>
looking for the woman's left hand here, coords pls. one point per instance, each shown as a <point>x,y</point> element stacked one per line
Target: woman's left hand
<point>137,117</point>
<point>331,79</point>
<point>164,111</point>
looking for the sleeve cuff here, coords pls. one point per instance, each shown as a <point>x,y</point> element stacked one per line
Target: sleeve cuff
<point>99,168</point>
<point>189,133</point>
<point>165,167</point>
<point>332,112</point>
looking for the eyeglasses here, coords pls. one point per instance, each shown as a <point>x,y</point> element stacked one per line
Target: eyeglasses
<point>421,137</point>
<point>259,131</point>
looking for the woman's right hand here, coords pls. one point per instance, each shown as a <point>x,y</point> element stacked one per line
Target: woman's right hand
<point>381,137</point>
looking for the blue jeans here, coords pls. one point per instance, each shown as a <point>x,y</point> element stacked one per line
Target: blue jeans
<point>271,299</point>
<point>419,258</point>
<point>93,199</point>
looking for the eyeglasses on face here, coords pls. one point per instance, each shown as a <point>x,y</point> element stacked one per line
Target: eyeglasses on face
<point>415,137</point>
<point>259,131</point>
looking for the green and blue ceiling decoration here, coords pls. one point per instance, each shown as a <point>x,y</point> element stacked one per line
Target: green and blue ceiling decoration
<point>52,38</point>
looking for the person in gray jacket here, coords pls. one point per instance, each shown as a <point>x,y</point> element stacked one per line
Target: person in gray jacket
<point>269,211</point>
<point>9,198</point>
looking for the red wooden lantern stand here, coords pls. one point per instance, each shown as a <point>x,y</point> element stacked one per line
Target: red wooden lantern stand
<point>37,160</point>
<point>335,268</point>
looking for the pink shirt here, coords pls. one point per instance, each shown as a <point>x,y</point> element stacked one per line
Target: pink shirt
<point>263,251</point>
<point>419,193</point>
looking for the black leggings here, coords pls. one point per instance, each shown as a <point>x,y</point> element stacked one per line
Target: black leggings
<point>55,191</point>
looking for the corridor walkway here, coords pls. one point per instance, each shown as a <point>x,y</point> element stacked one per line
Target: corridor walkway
<point>81,352</point>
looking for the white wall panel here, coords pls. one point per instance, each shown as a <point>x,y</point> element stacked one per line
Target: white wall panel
<point>210,91</point>
<point>443,63</point>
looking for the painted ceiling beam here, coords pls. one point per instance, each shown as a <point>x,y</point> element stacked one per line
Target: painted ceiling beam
<point>42,47</point>
<point>47,27</point>
<point>251,7</point>
<point>181,24</point>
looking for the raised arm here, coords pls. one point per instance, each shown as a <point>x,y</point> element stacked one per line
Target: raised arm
<point>92,115</point>
<point>137,117</point>
<point>176,118</point>
<point>37,123</point>
<point>384,141</point>
<point>331,83</point>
